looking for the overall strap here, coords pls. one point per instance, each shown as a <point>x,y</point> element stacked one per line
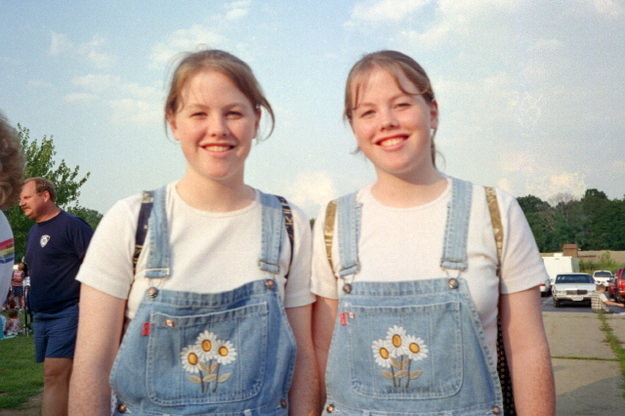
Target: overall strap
<point>157,265</point>
<point>147,200</point>
<point>349,213</point>
<point>457,227</point>
<point>277,219</point>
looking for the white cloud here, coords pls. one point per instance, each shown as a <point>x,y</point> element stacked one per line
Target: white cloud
<point>92,50</point>
<point>185,40</point>
<point>237,9</point>
<point>385,10</point>
<point>79,97</point>
<point>312,188</point>
<point>608,8</point>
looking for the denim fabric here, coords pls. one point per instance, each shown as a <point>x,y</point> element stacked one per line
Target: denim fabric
<point>229,353</point>
<point>410,347</point>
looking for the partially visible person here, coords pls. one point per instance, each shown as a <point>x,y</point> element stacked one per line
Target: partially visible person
<point>55,247</point>
<point>11,172</point>
<point>17,283</point>
<point>599,300</point>
<point>12,326</point>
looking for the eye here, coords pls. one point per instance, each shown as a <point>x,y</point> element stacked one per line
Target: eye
<point>234,114</point>
<point>402,104</point>
<point>366,114</point>
<point>198,114</point>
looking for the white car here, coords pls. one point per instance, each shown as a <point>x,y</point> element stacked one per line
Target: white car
<point>572,287</point>
<point>602,276</point>
<point>545,287</point>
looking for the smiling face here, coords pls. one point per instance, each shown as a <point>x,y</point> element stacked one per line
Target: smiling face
<point>215,124</point>
<point>392,123</point>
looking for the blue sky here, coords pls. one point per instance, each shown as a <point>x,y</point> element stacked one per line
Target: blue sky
<point>531,93</point>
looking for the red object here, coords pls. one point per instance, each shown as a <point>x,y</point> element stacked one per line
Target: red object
<point>146,329</point>
<point>344,318</point>
<point>617,287</point>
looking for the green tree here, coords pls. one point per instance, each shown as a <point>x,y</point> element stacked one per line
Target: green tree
<point>39,156</point>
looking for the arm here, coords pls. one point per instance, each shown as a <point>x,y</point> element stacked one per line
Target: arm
<point>528,353</point>
<point>99,332</point>
<point>324,316</point>
<point>304,393</point>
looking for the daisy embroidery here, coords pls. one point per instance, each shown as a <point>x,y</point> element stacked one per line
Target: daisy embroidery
<point>204,361</point>
<point>396,354</point>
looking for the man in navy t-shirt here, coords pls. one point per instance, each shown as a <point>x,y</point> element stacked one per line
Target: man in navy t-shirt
<point>55,248</point>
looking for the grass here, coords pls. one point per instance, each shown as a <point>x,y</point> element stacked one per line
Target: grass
<point>20,376</point>
<point>616,346</point>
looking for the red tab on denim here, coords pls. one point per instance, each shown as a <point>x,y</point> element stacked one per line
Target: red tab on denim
<point>344,317</point>
<point>146,329</point>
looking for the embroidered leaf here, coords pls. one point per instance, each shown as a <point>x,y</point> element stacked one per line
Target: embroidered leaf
<point>401,374</point>
<point>224,377</point>
<point>415,374</point>
<point>204,367</point>
<point>395,363</point>
<point>387,374</point>
<point>214,366</point>
<point>194,379</point>
<point>209,378</point>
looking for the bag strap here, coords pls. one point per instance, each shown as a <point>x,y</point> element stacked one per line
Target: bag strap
<point>147,201</point>
<point>287,214</point>
<point>328,231</point>
<point>503,370</point>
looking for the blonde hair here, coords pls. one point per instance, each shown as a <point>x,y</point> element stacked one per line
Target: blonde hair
<point>396,64</point>
<point>11,164</point>
<point>229,65</point>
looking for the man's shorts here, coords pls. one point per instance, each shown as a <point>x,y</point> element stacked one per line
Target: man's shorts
<point>55,334</point>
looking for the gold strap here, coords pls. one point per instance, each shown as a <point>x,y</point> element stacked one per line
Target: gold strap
<point>495,218</point>
<point>328,231</point>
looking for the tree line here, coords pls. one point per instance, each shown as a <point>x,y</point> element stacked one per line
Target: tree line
<point>593,222</point>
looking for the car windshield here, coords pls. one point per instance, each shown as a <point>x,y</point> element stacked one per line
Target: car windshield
<point>603,274</point>
<point>574,278</point>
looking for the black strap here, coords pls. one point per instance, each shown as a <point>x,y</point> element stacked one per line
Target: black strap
<point>287,213</point>
<point>142,226</point>
<point>147,202</point>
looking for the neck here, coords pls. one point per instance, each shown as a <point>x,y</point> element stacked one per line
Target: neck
<point>215,196</point>
<point>51,212</point>
<point>401,192</point>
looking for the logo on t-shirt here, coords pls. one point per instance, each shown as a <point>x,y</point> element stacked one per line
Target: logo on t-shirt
<point>44,240</point>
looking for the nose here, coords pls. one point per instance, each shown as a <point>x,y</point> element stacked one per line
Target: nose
<point>218,126</point>
<point>388,120</point>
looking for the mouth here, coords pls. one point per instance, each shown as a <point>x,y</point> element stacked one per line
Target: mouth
<point>391,141</point>
<point>218,147</point>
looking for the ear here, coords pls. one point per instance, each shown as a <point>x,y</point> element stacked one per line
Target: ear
<point>171,121</point>
<point>434,114</point>
<point>257,123</point>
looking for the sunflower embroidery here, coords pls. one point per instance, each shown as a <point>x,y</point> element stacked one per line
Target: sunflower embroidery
<point>396,353</point>
<point>204,359</point>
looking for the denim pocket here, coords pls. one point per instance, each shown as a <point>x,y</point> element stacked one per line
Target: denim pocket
<point>406,352</point>
<point>217,357</point>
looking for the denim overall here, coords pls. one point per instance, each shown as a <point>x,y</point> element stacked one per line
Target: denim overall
<point>229,353</point>
<point>410,347</point>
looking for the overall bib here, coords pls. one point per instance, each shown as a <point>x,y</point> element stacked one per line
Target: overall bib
<point>229,353</point>
<point>410,347</point>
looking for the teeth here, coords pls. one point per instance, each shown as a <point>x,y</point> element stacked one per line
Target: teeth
<point>217,148</point>
<point>391,142</point>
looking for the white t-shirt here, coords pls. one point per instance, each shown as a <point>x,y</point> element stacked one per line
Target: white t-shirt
<point>406,244</point>
<point>7,256</point>
<point>210,252</point>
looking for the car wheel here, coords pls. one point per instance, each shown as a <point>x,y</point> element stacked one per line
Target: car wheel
<point>556,303</point>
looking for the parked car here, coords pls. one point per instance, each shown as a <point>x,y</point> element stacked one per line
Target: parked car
<point>602,276</point>
<point>618,291</point>
<point>572,287</point>
<point>545,287</point>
